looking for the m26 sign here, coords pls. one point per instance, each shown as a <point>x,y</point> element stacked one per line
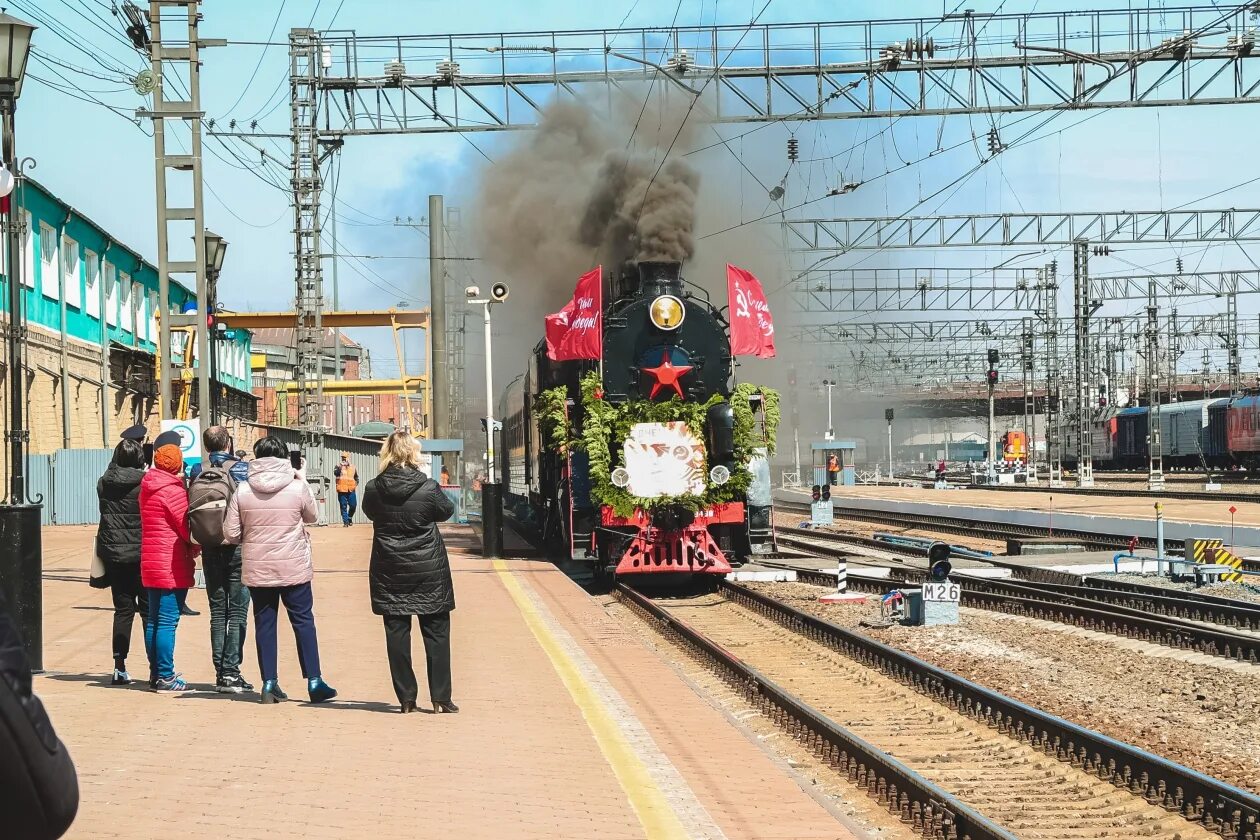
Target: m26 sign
<point>941,591</point>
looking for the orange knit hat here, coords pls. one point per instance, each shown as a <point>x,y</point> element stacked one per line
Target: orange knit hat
<point>169,458</point>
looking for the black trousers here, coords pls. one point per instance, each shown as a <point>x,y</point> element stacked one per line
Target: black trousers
<point>436,630</point>
<point>130,599</point>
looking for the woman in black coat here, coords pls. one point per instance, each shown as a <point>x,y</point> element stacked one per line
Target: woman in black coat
<point>118,545</point>
<point>409,573</point>
<point>39,790</point>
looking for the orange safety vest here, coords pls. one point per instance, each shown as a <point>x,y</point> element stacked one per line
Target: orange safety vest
<point>347,481</point>
<point>833,463</point>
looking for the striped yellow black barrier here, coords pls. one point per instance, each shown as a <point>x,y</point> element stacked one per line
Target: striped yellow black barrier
<point>1204,551</point>
<point>1225,557</point>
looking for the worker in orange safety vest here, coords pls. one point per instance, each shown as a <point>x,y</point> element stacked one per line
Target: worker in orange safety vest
<point>347,483</point>
<point>833,469</point>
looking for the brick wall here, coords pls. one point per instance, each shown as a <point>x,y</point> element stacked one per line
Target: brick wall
<point>44,399</point>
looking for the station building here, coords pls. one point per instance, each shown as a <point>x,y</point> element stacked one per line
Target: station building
<point>91,314</point>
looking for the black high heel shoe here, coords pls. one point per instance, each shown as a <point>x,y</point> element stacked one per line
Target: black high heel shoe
<point>445,708</point>
<point>407,706</point>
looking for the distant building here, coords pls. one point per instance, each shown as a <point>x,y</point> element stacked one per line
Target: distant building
<point>91,307</point>
<point>274,366</point>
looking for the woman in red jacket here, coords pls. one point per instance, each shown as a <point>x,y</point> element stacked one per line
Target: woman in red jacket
<point>166,560</point>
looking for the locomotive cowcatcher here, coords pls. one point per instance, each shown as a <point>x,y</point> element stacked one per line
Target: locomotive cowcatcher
<point>661,343</point>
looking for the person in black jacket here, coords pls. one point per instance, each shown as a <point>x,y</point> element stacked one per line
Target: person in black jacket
<point>39,790</point>
<point>118,545</point>
<point>409,573</point>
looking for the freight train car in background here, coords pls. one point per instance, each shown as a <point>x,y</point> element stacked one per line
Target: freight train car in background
<point>1192,434</point>
<point>1242,432</point>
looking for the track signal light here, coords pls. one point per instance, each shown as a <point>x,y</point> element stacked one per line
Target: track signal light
<point>991,376</point>
<point>826,492</point>
<point>817,492</point>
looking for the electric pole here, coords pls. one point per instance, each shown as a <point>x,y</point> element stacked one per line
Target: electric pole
<point>1080,314</point>
<point>188,110</point>
<point>437,321</point>
<point>1155,468</point>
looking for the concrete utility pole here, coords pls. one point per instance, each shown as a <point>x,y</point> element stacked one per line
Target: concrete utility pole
<point>441,418</point>
<point>1081,312</point>
<point>339,422</point>
<point>1155,467</point>
<point>1030,400</point>
<point>189,110</point>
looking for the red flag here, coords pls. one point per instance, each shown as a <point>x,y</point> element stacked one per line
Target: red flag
<point>576,332</point>
<point>752,328</point>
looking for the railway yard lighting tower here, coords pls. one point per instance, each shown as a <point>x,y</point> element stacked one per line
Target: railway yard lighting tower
<point>491,490</point>
<point>888,415</point>
<point>991,377</point>
<point>829,384</point>
<point>21,549</point>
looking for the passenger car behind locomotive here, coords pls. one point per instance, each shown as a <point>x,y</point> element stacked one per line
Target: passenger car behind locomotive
<point>664,349</point>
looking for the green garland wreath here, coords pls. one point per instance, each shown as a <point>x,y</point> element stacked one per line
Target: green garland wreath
<point>604,422</point>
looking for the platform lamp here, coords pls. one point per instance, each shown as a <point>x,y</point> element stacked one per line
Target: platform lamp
<point>21,552</point>
<point>491,489</point>
<point>216,250</point>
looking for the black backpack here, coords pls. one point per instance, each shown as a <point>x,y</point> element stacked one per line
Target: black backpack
<point>208,497</point>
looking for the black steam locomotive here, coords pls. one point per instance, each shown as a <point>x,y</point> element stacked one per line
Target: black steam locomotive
<point>649,462</point>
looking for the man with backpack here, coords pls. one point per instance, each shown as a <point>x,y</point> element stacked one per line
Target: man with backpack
<point>209,492</point>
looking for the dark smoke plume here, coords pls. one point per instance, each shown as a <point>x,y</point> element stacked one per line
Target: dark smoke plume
<point>571,196</point>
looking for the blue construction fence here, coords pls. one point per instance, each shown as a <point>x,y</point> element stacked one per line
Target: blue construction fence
<point>65,481</point>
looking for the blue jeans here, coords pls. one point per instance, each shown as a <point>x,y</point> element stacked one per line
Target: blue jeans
<point>229,608</point>
<point>349,504</point>
<point>160,633</point>
<point>299,602</point>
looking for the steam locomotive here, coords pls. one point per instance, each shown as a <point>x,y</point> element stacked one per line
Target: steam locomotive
<point>652,494</point>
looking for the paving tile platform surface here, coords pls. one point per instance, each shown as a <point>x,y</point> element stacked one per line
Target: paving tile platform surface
<point>521,760</point>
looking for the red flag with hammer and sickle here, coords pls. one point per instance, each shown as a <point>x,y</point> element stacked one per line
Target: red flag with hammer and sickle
<point>752,328</point>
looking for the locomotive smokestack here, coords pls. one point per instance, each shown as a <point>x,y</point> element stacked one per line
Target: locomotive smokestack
<point>660,277</point>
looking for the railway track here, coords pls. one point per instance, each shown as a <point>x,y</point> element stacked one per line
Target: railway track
<point>1165,619</point>
<point>952,758</point>
<point>1252,497</point>
<point>992,530</point>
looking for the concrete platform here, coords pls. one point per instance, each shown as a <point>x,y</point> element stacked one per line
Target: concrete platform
<point>1083,562</point>
<point>571,726</point>
<point>1183,519</point>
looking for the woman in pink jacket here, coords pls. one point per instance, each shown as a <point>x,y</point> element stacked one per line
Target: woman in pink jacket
<point>166,561</point>
<point>268,516</point>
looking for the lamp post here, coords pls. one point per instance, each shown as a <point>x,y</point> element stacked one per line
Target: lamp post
<point>216,250</point>
<point>21,552</point>
<point>829,384</point>
<point>491,490</point>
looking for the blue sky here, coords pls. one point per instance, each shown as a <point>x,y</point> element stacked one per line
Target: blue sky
<point>102,163</point>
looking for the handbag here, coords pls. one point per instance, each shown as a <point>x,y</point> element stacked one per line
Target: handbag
<point>98,577</point>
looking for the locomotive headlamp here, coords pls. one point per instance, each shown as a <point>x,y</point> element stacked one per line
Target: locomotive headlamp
<point>620,477</point>
<point>667,312</point>
<point>719,474</point>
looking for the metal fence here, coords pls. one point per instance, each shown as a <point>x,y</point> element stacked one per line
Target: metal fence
<point>66,479</point>
<point>65,482</point>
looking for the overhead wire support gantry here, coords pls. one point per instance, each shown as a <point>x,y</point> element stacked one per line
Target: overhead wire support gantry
<point>1037,61</point>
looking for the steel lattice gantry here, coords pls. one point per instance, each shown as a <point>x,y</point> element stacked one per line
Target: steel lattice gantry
<point>343,84</point>
<point>959,64</point>
<point>922,289</point>
<point>1019,229</point>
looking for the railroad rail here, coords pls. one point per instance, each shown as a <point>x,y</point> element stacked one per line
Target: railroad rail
<point>1181,623</point>
<point>1216,806</point>
<point>992,530</point>
<point>1169,493</point>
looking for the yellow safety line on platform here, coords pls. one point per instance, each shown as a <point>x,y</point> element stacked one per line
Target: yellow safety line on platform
<point>647,799</point>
